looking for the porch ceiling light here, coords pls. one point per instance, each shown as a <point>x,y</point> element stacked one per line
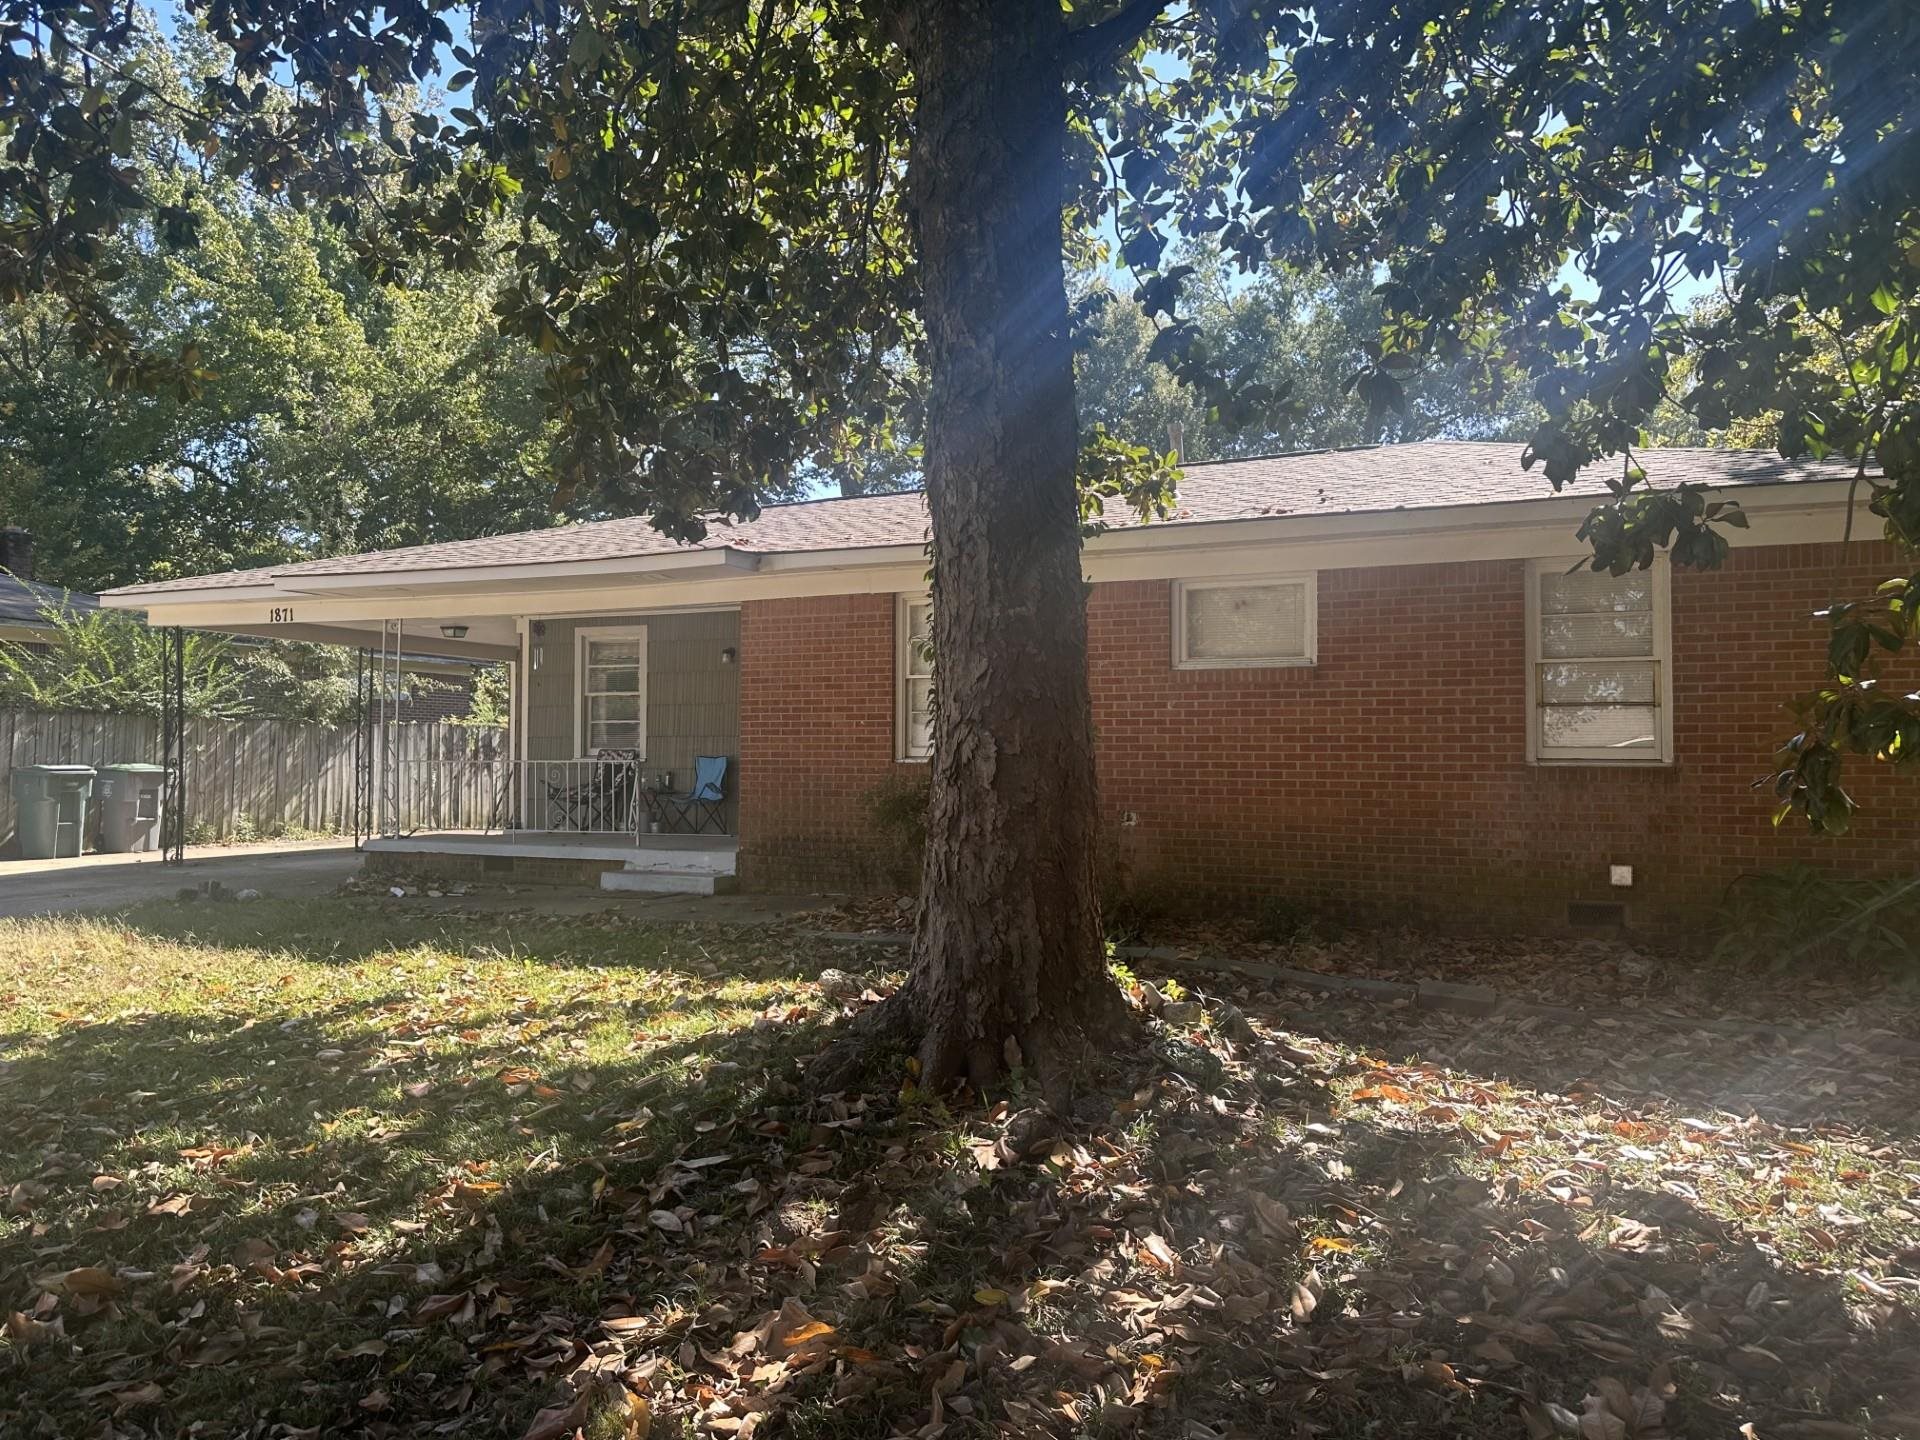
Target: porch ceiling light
<point>454,632</point>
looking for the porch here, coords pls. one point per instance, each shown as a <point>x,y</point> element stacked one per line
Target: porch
<point>616,756</point>
<point>618,759</point>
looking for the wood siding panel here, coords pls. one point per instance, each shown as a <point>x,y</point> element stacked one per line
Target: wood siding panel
<point>693,698</point>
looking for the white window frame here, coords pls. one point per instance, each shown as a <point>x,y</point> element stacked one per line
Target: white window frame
<point>581,636</point>
<point>904,672</point>
<point>1661,659</point>
<point>1308,580</point>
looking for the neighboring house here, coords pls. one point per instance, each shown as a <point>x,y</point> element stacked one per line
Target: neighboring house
<point>436,690</point>
<point>1360,677</point>
<point>24,603</point>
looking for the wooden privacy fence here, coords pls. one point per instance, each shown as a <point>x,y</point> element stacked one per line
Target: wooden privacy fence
<point>258,776</point>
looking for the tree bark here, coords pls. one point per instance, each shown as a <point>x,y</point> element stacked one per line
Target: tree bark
<point>1008,958</point>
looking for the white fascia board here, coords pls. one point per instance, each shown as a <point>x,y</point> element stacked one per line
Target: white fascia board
<point>1477,519</point>
<point>628,598</point>
<point>851,558</point>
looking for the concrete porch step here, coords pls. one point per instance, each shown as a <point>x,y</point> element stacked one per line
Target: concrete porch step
<point>655,881</point>
<point>651,855</point>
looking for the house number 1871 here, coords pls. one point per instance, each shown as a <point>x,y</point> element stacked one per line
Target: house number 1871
<point>279,614</point>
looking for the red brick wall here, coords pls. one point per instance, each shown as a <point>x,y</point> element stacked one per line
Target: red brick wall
<point>1394,771</point>
<point>816,739</point>
<point>1391,775</point>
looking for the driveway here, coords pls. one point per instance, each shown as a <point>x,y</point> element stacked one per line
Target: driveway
<point>107,882</point>
<point>300,869</point>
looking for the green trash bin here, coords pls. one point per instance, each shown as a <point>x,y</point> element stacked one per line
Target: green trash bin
<point>50,808</point>
<point>130,798</point>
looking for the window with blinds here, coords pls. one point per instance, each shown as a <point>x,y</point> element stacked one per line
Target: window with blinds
<point>612,698</point>
<point>913,669</point>
<point>1598,664</point>
<point>1230,623</point>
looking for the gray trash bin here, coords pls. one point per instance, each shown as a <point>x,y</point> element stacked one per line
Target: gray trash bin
<point>130,807</point>
<point>50,806</point>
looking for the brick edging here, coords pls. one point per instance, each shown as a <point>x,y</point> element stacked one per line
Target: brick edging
<point>1444,995</point>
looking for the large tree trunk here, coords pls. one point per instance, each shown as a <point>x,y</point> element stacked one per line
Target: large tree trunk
<point>1008,960</point>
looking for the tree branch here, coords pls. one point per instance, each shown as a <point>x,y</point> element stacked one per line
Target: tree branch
<point>1101,41</point>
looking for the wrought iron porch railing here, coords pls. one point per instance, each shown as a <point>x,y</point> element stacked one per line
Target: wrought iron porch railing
<point>498,796</point>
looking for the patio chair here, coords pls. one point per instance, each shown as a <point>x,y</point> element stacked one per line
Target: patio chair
<point>604,800</point>
<point>702,805</point>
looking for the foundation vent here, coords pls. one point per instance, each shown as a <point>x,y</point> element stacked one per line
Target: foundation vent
<point>1597,915</point>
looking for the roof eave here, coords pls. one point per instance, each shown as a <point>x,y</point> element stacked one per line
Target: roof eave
<point>450,580</point>
<point>139,597</point>
<point>718,563</point>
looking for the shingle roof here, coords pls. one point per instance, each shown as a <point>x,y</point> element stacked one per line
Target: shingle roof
<point>24,603</point>
<point>1367,479</point>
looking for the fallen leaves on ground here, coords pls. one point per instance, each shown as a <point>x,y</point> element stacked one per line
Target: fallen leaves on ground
<point>571,1181</point>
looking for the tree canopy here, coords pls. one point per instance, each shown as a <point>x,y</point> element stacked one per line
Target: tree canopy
<point>324,412</point>
<point>1301,336</point>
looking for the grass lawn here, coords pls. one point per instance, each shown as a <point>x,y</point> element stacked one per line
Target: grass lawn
<point>341,1168</point>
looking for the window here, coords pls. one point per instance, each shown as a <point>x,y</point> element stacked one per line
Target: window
<point>913,665</point>
<point>610,703</point>
<point>1598,655</point>
<point>1227,623</point>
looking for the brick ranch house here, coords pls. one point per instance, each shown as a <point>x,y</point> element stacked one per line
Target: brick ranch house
<point>1361,678</point>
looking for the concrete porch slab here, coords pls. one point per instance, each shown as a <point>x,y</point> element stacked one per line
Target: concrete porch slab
<point>706,854</point>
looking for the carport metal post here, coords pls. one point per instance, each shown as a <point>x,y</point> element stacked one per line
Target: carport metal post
<point>392,778</point>
<point>173,745</point>
<point>362,748</point>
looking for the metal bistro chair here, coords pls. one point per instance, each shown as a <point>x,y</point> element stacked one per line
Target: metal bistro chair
<point>605,800</point>
<point>701,806</point>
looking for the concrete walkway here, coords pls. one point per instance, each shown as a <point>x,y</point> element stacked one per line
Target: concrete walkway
<point>282,870</point>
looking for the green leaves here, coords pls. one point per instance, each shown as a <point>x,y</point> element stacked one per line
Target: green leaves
<point>107,661</point>
<point>1141,479</point>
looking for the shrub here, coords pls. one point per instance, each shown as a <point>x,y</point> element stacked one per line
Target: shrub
<point>1130,903</point>
<point>1282,919</point>
<point>1800,916</point>
<point>898,809</point>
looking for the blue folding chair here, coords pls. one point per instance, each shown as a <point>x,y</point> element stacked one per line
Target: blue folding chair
<point>701,806</point>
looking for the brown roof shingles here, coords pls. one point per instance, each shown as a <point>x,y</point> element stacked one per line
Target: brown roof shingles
<point>1424,475</point>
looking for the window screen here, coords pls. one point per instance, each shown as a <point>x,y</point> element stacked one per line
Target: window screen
<point>1597,681</point>
<point>916,679</point>
<point>1256,623</point>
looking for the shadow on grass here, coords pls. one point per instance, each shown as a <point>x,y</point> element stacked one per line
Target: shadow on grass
<point>1805,1080</point>
<point>311,931</point>
<point>276,1188</point>
<point>412,1235</point>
